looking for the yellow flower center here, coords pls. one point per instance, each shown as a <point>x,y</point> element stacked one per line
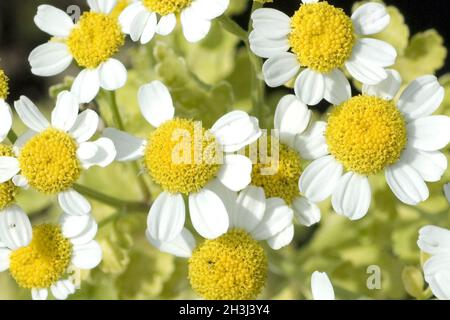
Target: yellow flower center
<point>120,6</point>
<point>49,161</point>
<point>231,267</point>
<point>366,134</point>
<point>4,87</point>
<point>95,39</point>
<point>44,261</point>
<point>182,156</point>
<point>278,176</point>
<point>165,7</point>
<point>322,36</point>
<point>8,191</point>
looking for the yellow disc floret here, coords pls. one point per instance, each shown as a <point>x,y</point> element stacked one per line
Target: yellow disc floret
<point>181,156</point>
<point>366,134</point>
<point>165,7</point>
<point>8,191</point>
<point>49,161</point>
<point>44,261</point>
<point>278,175</point>
<point>4,87</point>
<point>322,36</point>
<point>231,267</point>
<point>95,39</point>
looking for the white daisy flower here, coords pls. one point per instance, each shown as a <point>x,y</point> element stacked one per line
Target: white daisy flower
<point>322,39</point>
<point>40,258</point>
<point>233,266</point>
<point>181,138</point>
<point>436,242</point>
<point>91,42</point>
<point>321,286</point>
<point>50,157</point>
<point>278,174</point>
<point>371,133</point>
<point>143,19</point>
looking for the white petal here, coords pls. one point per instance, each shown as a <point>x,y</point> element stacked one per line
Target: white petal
<point>39,294</point>
<point>195,28</point>
<point>421,98</point>
<point>228,197</point>
<point>65,112</point>
<point>4,259</point>
<point>250,208</point>
<point>440,285</point>
<point>50,59</point>
<point>150,29</point>
<point>337,87</point>
<point>306,212</point>
<point>282,239</point>
<point>407,185</point>
<point>128,14</point>
<point>210,9</point>
<point>235,130</point>
<point>166,24</point>
<point>182,246</point>
<point>22,139</point>
<point>20,181</point>
<point>430,165</point>
<point>74,203</point>
<point>112,74</point>
<point>429,133</point>
<point>30,114</point>
<point>310,87</point>
<point>266,48</point>
<point>320,178</point>
<point>15,228</point>
<point>312,144</point>
<point>9,167</point>
<point>277,217</point>
<point>370,18</point>
<point>374,51</point>
<point>438,263</point>
<point>128,147</point>
<point>208,214</point>
<point>447,191</point>
<point>279,69</point>
<point>139,23</point>
<point>166,217</point>
<point>352,196</point>
<point>103,155</point>
<point>62,289</point>
<point>87,235</point>
<point>272,23</point>
<point>235,173</point>
<point>87,256</point>
<point>156,103</point>
<point>85,126</point>
<point>73,226</point>
<point>291,118</point>
<point>386,89</point>
<point>102,6</point>
<point>434,240</point>
<point>6,118</point>
<point>86,85</point>
<point>364,71</point>
<point>53,21</point>
<point>321,286</point>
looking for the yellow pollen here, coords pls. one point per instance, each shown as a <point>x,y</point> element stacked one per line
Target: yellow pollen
<point>322,36</point>
<point>95,39</point>
<point>8,191</point>
<point>4,87</point>
<point>366,134</point>
<point>278,176</point>
<point>165,7</point>
<point>49,161</point>
<point>182,156</point>
<point>44,261</point>
<point>231,267</point>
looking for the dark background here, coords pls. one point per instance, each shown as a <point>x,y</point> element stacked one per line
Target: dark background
<point>19,35</point>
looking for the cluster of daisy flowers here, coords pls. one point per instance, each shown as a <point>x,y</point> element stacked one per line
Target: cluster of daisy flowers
<point>239,188</point>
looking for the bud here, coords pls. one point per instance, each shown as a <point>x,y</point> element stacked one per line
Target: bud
<point>413,281</point>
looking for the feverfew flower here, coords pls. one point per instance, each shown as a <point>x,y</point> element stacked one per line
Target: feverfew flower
<point>50,157</point>
<point>371,133</point>
<point>233,266</point>
<point>40,258</point>
<point>143,19</point>
<point>322,39</point>
<point>183,157</point>
<point>91,42</point>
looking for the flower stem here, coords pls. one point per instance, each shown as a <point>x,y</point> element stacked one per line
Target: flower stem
<point>115,111</point>
<point>12,136</point>
<point>232,27</point>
